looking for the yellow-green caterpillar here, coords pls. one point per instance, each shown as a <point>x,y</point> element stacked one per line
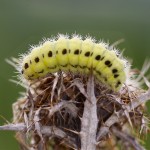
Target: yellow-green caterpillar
<point>78,56</point>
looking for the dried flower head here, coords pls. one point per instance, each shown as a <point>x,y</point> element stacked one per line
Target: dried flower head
<point>70,109</point>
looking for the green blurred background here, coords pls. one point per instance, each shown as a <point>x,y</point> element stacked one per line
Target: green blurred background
<point>26,22</point>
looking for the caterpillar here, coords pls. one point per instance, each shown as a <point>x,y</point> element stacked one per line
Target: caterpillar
<point>78,56</point>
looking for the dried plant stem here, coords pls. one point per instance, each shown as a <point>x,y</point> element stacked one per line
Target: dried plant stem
<point>89,119</point>
<point>14,127</point>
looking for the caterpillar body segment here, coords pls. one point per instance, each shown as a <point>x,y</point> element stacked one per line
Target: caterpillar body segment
<point>74,51</point>
<point>117,84</point>
<point>49,57</point>
<point>97,53</point>
<point>27,70</point>
<point>106,62</point>
<point>36,62</point>
<point>85,54</point>
<point>61,51</point>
